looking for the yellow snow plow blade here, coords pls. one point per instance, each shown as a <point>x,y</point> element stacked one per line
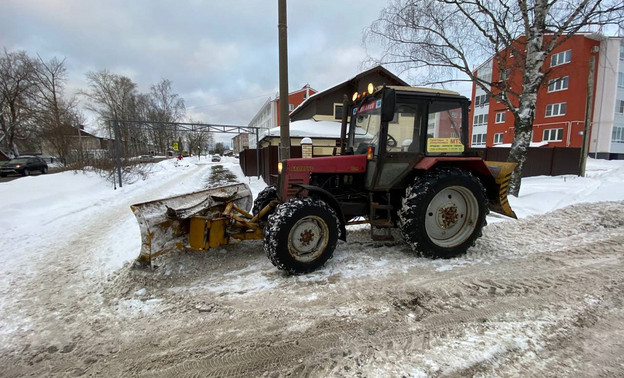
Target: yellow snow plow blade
<point>189,221</point>
<point>502,174</point>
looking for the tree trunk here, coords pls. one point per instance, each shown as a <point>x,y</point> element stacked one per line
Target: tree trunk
<point>523,134</point>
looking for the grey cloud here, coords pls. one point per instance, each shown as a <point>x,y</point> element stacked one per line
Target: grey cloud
<point>214,52</point>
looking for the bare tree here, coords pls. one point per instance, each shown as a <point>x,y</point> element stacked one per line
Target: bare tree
<point>197,140</point>
<point>441,39</point>
<point>164,106</point>
<point>57,117</point>
<point>16,87</point>
<point>113,96</point>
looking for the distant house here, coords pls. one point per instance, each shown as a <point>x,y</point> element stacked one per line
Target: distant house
<point>268,116</point>
<point>73,142</point>
<point>240,142</point>
<point>327,105</point>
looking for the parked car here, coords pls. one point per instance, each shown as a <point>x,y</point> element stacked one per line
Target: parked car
<point>216,157</point>
<point>23,166</point>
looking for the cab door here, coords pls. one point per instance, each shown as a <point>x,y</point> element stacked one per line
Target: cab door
<point>401,148</point>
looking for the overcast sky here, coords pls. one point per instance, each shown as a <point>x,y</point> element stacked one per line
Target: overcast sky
<point>220,55</point>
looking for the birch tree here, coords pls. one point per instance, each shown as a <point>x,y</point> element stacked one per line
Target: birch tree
<point>442,40</point>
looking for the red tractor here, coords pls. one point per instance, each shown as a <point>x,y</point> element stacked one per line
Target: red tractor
<point>402,164</point>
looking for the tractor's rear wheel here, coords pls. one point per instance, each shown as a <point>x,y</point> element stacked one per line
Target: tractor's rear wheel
<point>301,235</point>
<point>265,196</point>
<point>443,212</point>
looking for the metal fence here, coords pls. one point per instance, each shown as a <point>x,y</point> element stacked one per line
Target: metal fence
<point>269,157</point>
<point>541,161</point>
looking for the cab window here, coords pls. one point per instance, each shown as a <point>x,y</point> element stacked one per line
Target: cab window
<point>444,125</point>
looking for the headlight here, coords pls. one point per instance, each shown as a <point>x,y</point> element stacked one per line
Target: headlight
<point>279,167</point>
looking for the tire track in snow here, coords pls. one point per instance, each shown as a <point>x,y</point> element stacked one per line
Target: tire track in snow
<point>63,282</point>
<point>532,289</point>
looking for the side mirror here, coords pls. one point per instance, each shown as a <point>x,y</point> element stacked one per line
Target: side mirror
<point>388,103</point>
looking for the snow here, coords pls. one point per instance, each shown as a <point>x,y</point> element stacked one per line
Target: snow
<point>538,195</point>
<point>533,144</point>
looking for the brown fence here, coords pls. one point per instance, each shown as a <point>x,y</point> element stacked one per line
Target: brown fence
<point>268,162</point>
<point>541,161</point>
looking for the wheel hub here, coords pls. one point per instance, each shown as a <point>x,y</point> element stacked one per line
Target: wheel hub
<point>448,216</point>
<point>306,237</point>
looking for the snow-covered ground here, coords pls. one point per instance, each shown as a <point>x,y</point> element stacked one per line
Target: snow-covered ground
<point>71,305</point>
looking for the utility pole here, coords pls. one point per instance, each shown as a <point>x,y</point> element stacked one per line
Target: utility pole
<point>117,150</point>
<point>588,115</point>
<point>283,82</point>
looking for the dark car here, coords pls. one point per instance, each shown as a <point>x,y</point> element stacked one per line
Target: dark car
<point>24,166</point>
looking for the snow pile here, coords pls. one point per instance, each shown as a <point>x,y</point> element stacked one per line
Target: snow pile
<point>542,194</point>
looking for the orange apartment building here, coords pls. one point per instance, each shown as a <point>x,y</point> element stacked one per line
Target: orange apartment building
<point>268,115</point>
<point>562,101</point>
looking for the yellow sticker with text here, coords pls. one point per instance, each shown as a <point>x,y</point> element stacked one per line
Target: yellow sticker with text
<point>444,145</point>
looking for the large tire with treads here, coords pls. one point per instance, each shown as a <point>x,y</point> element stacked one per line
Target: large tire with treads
<point>301,235</point>
<point>265,196</point>
<point>443,212</point>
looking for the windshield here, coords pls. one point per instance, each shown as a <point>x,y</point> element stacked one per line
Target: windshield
<point>19,161</point>
<point>366,126</point>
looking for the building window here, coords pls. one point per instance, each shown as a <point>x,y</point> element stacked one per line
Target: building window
<point>337,111</point>
<point>500,117</point>
<point>291,107</point>
<point>622,52</point>
<point>485,74</point>
<point>561,58</point>
<point>554,110</point>
<point>553,135</point>
<point>481,100</point>
<point>621,106</point>
<point>621,79</point>
<point>498,138</point>
<point>618,135</point>
<point>504,74</point>
<point>478,139</point>
<point>558,84</point>
<point>480,120</point>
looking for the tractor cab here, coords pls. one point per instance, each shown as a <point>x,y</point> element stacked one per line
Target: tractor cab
<point>396,127</point>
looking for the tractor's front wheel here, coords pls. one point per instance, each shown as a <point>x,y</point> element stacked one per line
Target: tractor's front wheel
<point>265,197</point>
<point>301,235</point>
<point>443,212</point>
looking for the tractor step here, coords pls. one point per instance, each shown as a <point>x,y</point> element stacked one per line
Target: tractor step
<point>382,223</point>
<point>380,219</point>
<point>385,235</point>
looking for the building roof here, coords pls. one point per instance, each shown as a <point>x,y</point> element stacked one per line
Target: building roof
<point>310,128</point>
<point>318,95</point>
<point>425,90</point>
